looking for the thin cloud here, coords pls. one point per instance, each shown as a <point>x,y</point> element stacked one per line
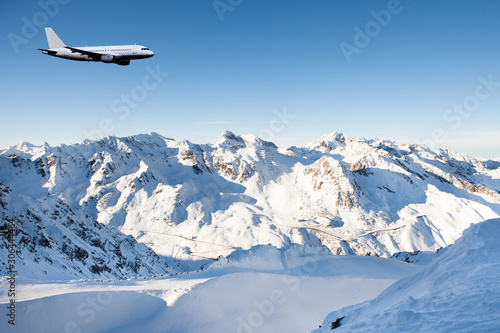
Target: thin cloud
<point>218,123</point>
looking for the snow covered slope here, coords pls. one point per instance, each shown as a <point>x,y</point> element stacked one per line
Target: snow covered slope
<point>457,292</point>
<point>191,202</point>
<point>263,289</point>
<point>53,242</point>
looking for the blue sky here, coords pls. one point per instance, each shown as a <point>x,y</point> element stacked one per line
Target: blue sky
<point>421,71</point>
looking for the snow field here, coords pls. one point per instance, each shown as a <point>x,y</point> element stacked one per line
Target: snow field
<point>459,291</point>
<point>264,289</point>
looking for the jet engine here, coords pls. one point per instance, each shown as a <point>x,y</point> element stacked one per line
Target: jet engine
<point>108,58</point>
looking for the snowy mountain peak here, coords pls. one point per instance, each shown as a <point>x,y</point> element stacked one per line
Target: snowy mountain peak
<point>155,134</point>
<point>22,145</point>
<point>251,139</point>
<point>330,141</point>
<point>228,138</point>
<point>231,140</point>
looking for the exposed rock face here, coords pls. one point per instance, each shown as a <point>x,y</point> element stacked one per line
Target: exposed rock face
<point>53,241</point>
<point>330,173</point>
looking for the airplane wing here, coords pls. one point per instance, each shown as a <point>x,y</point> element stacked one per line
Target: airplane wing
<point>93,55</point>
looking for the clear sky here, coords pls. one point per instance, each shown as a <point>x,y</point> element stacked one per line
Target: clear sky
<point>420,71</point>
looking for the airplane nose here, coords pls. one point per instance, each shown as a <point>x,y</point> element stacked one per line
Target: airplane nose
<point>151,53</point>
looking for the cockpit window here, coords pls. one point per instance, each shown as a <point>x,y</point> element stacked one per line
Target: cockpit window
<point>144,48</point>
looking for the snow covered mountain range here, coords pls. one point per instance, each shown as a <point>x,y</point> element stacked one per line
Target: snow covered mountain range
<point>148,205</point>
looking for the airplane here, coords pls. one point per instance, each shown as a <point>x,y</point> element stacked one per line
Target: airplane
<point>118,54</point>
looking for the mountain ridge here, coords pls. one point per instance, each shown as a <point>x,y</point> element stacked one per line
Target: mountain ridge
<point>189,201</point>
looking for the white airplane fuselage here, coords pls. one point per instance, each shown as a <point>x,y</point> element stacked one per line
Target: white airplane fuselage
<point>118,54</point>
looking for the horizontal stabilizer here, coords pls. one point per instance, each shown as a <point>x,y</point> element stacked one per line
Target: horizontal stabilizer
<point>49,52</point>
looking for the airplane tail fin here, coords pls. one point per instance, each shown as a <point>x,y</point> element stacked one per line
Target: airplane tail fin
<point>54,41</point>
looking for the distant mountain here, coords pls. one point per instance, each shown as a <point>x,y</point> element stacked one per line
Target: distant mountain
<point>74,204</point>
